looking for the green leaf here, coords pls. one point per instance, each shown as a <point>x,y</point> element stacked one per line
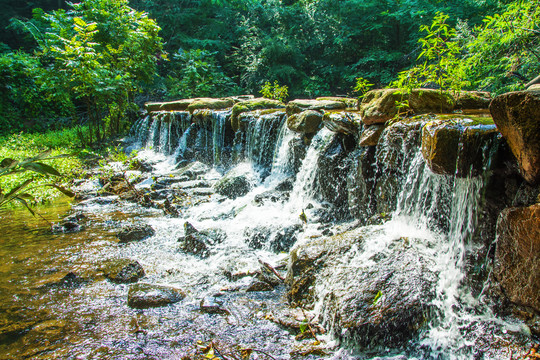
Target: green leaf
<point>377,297</point>
<point>41,168</point>
<point>22,201</point>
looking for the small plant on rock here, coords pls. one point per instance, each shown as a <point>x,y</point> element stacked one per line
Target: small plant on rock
<point>276,91</point>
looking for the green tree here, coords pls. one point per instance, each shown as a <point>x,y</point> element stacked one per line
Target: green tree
<point>102,51</point>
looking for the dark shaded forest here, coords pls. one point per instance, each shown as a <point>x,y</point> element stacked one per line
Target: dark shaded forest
<point>89,62</point>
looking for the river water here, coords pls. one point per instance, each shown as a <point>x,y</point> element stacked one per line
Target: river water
<point>56,302</point>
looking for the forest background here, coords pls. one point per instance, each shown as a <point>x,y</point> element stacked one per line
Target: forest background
<point>74,74</point>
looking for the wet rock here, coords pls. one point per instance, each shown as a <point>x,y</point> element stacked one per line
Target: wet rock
<point>257,237</point>
<point>250,105</point>
<point>198,242</point>
<point>518,255</point>
<point>300,105</point>
<point>191,171</point>
<point>67,227</point>
<point>332,180</point>
<point>343,122</point>
<point>59,280</point>
<point>371,134</point>
<point>271,196</point>
<point>123,271</point>
<point>456,146</point>
<point>259,286</point>
<point>210,305</point>
<point>132,233</point>
<point>385,302</point>
<point>235,183</point>
<point>306,122</point>
<point>517,115</point>
<point>144,296</point>
<point>379,106</point>
<point>285,238</point>
<point>394,158</point>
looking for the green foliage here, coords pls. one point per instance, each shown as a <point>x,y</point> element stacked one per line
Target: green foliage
<point>100,51</point>
<point>27,99</point>
<point>439,60</point>
<point>276,91</point>
<point>504,44</point>
<point>197,74</point>
<point>37,160</point>
<point>362,86</point>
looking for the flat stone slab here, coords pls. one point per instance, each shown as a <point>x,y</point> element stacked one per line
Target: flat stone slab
<point>143,296</point>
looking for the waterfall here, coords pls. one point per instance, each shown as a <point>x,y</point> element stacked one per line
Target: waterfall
<point>306,185</point>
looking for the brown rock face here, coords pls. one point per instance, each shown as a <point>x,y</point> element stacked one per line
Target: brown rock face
<point>454,147</point>
<point>342,122</point>
<point>299,105</point>
<point>379,106</point>
<point>518,255</point>
<point>517,115</point>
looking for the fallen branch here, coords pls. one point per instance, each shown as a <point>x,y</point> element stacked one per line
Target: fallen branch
<point>271,268</point>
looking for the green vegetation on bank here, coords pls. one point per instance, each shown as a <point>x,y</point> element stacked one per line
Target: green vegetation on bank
<point>24,146</point>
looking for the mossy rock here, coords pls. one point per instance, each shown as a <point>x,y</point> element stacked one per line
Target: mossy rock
<point>235,183</point>
<point>473,100</point>
<point>250,105</point>
<point>299,105</point>
<point>122,271</point>
<point>210,103</point>
<point>177,105</point>
<point>351,103</point>
<point>306,122</point>
<point>379,106</point>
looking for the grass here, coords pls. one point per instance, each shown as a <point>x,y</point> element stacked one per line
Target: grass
<point>21,146</point>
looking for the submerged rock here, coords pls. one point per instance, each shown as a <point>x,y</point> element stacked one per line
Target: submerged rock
<point>517,256</point>
<point>517,115</point>
<point>123,271</point>
<point>133,233</point>
<point>197,242</point>
<point>237,182</point>
<point>143,296</point>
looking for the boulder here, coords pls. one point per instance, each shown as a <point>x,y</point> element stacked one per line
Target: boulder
<point>235,183</point>
<point>473,100</point>
<point>192,171</point>
<point>133,233</point>
<point>383,301</point>
<point>177,105</point>
<point>517,115</point>
<point>250,105</point>
<point>306,122</point>
<point>210,103</point>
<point>122,271</point>
<point>144,296</point>
<point>379,106</point>
<point>456,146</point>
<point>517,257</point>
<point>343,122</point>
<point>351,103</point>
<point>300,105</point>
<point>371,134</point>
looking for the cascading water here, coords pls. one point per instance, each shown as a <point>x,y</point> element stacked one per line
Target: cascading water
<point>423,249</point>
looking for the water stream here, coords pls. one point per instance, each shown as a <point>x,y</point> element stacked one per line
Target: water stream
<point>43,316</point>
